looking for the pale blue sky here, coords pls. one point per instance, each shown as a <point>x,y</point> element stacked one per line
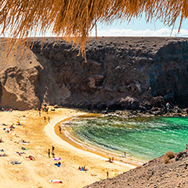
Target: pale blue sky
<point>140,24</point>
<point>139,27</point>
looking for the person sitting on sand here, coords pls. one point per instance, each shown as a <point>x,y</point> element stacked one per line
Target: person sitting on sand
<point>20,153</point>
<point>3,155</point>
<point>82,168</point>
<point>1,140</point>
<point>58,164</point>
<point>110,160</point>
<point>31,158</point>
<point>3,124</point>
<point>24,142</point>
<point>18,123</point>
<point>8,130</point>
<point>12,127</point>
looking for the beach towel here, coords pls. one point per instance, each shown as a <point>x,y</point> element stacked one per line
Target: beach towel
<point>56,181</point>
<point>23,148</point>
<point>15,162</point>
<point>57,159</point>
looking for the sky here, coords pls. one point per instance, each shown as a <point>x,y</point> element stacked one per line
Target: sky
<point>136,27</point>
<point>139,27</point>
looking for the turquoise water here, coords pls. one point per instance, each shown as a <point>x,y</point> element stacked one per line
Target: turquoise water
<point>143,138</point>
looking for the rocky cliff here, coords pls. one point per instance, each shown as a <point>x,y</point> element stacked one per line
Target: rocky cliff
<point>120,73</point>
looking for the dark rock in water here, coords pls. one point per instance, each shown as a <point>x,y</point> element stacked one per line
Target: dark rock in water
<point>120,73</point>
<point>169,105</point>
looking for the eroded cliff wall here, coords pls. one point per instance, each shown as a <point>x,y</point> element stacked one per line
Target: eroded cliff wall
<point>120,73</point>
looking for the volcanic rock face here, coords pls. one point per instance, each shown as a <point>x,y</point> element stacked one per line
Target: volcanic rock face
<point>18,77</point>
<point>120,73</point>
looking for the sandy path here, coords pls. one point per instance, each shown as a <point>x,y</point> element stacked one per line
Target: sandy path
<point>38,173</point>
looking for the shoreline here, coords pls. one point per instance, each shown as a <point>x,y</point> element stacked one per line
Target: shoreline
<point>52,132</point>
<point>64,135</point>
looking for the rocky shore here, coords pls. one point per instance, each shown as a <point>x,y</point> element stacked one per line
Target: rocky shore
<point>174,111</point>
<point>154,174</point>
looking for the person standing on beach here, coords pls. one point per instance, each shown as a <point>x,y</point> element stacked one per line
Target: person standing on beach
<point>45,118</point>
<point>107,175</point>
<point>59,129</point>
<point>49,153</point>
<point>53,151</point>
<point>48,119</point>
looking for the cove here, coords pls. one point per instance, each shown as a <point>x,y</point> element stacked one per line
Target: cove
<point>142,138</point>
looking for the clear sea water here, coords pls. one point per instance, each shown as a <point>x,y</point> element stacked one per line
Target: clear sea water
<point>141,138</point>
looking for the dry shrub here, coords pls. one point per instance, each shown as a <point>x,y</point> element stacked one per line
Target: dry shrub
<point>167,156</point>
<point>74,19</point>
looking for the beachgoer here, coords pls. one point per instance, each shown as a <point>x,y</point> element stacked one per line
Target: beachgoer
<point>31,157</point>
<point>107,173</point>
<point>45,118</point>
<point>59,129</point>
<point>83,168</point>
<point>3,155</point>
<point>48,119</point>
<point>20,153</point>
<point>24,142</point>
<point>12,127</point>
<point>18,123</point>
<point>53,152</point>
<point>49,153</point>
<point>110,160</point>
<point>1,140</point>
<point>58,164</point>
<point>125,153</point>
<point>39,113</point>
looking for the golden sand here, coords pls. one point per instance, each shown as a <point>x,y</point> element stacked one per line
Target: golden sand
<point>41,136</point>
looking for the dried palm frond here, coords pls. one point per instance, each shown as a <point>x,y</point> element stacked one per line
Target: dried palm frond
<point>74,19</point>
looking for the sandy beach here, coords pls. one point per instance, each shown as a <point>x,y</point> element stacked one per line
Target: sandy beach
<point>41,136</point>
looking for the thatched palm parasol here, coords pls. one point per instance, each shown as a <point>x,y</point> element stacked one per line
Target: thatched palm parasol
<point>74,19</point>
